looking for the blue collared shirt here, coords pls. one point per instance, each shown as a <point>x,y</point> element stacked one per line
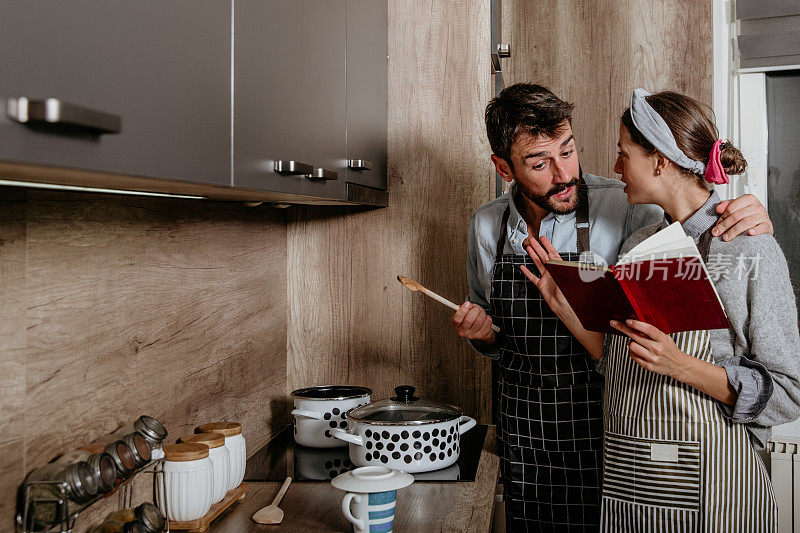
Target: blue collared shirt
<point>611,221</point>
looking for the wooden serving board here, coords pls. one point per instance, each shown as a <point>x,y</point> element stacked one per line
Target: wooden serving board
<point>201,525</point>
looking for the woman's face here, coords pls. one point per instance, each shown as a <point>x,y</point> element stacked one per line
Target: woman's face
<point>637,169</point>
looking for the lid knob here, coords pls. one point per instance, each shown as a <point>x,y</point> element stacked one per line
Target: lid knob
<point>405,394</point>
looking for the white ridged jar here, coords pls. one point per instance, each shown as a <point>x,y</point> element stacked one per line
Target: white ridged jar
<point>235,443</point>
<point>188,482</point>
<point>220,461</point>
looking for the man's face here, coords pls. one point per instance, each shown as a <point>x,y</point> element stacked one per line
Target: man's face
<point>546,170</point>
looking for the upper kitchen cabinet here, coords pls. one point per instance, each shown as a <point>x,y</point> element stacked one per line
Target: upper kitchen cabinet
<point>268,104</point>
<point>310,98</point>
<point>133,88</point>
<point>367,93</point>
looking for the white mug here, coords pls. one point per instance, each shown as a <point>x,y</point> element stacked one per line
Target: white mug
<point>371,512</point>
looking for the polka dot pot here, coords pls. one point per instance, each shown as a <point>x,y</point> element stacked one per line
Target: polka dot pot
<point>408,447</point>
<point>320,410</point>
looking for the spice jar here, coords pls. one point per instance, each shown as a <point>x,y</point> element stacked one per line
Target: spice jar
<point>153,432</point>
<point>79,487</point>
<point>101,465</point>
<point>123,457</point>
<point>186,494</point>
<point>234,441</point>
<point>220,459</point>
<point>146,514</point>
<point>139,447</point>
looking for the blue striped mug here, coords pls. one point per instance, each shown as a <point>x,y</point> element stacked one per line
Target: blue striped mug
<point>371,512</point>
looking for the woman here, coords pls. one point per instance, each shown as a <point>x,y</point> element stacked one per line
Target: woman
<point>684,413</point>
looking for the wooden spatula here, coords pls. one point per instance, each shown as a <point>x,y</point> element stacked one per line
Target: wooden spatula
<point>417,287</point>
<point>272,514</point>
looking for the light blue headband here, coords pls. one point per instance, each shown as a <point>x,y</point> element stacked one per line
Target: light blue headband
<point>655,130</point>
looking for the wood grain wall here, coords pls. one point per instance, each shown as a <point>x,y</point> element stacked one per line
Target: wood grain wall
<point>111,307</point>
<point>594,53</point>
<point>351,321</point>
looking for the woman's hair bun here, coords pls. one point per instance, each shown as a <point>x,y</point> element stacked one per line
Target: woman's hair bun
<point>732,160</point>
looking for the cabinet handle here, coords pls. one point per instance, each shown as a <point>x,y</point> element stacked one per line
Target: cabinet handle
<point>54,111</point>
<point>293,168</point>
<point>359,164</point>
<point>322,174</point>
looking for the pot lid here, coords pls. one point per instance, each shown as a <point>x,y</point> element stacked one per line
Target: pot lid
<point>331,392</point>
<point>372,479</point>
<point>404,409</point>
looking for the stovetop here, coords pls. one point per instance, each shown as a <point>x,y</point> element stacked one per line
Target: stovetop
<point>282,457</point>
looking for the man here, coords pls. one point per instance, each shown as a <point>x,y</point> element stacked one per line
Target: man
<point>549,410</point>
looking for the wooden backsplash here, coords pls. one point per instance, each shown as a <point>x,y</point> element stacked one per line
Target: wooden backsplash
<point>351,321</point>
<point>111,307</point>
<point>594,53</point>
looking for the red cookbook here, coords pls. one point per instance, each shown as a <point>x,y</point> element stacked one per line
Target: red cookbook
<point>662,281</point>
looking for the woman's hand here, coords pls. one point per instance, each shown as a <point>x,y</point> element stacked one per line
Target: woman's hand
<point>654,350</point>
<point>546,284</point>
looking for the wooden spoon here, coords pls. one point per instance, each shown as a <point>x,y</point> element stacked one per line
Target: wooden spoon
<point>272,514</point>
<point>417,287</point>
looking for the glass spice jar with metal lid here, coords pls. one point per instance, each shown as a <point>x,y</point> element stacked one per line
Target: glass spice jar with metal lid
<point>59,490</point>
<point>147,514</point>
<point>123,457</point>
<point>145,432</point>
<point>153,431</point>
<point>140,448</point>
<point>101,464</point>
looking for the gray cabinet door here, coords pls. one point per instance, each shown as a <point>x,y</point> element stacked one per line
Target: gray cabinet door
<point>267,98</point>
<point>367,48</point>
<point>163,67</point>
<point>323,89</point>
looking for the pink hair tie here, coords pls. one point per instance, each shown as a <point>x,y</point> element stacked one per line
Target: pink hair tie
<point>714,171</point>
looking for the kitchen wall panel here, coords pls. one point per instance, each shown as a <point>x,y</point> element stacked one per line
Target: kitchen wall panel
<point>112,307</point>
<point>351,321</point>
<point>594,53</point>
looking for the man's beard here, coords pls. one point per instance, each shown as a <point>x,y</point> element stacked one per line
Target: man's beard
<point>545,201</point>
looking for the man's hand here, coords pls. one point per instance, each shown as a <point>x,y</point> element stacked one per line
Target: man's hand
<point>472,322</point>
<point>741,214</point>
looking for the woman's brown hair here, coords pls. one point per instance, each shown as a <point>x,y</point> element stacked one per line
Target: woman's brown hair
<point>692,125</point>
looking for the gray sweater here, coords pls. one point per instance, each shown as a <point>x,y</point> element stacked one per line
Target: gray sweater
<point>761,350</point>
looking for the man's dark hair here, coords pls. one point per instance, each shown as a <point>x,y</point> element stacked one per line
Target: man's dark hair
<point>524,108</point>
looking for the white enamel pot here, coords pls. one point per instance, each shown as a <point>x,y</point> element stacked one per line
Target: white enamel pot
<point>405,433</point>
<point>320,410</point>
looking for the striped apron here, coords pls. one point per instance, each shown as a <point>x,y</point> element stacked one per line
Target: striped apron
<point>549,403</point>
<point>672,461</point>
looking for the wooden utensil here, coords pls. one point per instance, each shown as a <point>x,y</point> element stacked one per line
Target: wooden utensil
<point>416,287</point>
<point>272,514</point>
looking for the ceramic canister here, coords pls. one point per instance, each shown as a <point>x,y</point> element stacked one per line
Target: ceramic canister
<point>234,442</point>
<point>188,482</point>
<point>220,460</point>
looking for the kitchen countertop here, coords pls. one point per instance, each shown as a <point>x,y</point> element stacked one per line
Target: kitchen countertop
<point>424,506</point>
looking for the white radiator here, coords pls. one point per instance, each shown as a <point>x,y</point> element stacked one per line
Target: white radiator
<point>784,455</point>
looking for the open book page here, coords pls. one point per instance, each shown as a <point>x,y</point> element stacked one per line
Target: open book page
<point>668,243</point>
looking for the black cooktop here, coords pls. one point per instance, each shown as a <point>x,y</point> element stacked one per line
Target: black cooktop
<point>282,457</point>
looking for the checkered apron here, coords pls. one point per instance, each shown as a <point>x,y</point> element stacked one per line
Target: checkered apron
<point>673,462</point>
<point>550,415</point>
